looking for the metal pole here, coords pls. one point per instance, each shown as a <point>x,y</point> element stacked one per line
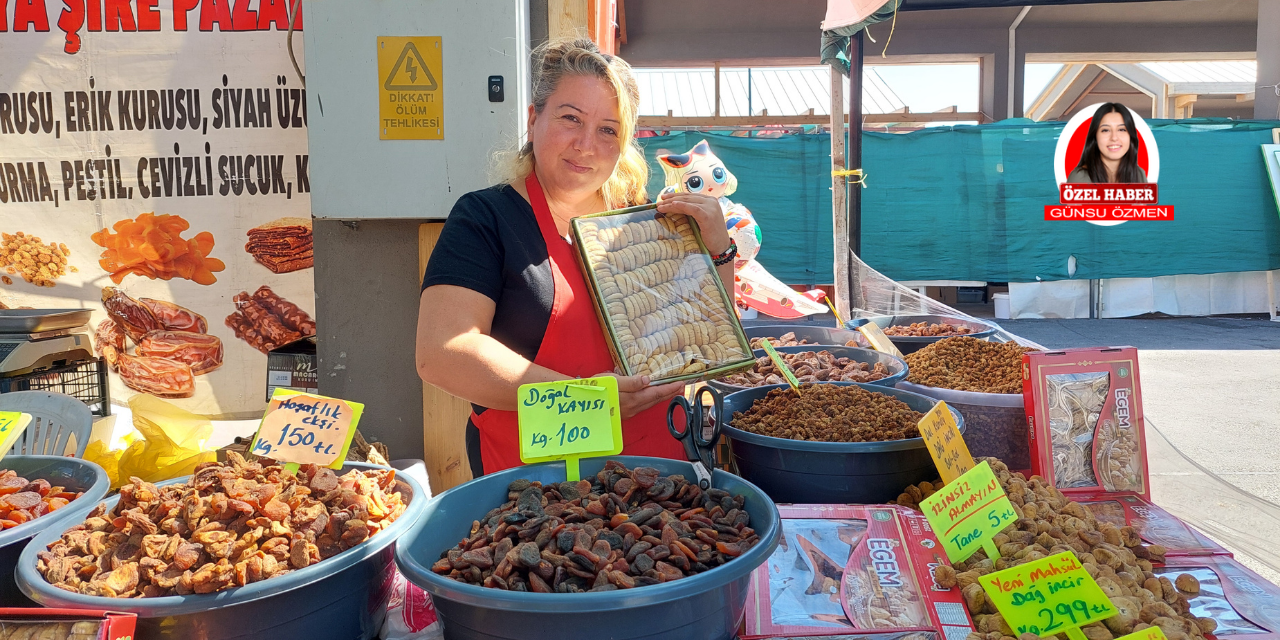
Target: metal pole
<point>854,155</point>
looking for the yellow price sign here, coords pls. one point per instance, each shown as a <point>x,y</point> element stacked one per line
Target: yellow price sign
<point>968,512</point>
<point>879,341</point>
<point>780,364</point>
<point>1048,596</point>
<point>569,419</point>
<point>946,445</point>
<point>12,424</point>
<point>305,428</point>
<point>1150,633</point>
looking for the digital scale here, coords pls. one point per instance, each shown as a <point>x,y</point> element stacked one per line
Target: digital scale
<point>35,339</point>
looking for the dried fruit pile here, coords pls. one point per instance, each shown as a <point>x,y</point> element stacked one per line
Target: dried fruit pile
<point>912,495</point>
<point>27,256</point>
<point>230,525</point>
<point>788,339</point>
<point>152,245</point>
<point>808,366</point>
<point>1049,523</point>
<point>968,364</point>
<point>925,329</point>
<point>28,630</point>
<point>830,413</point>
<point>22,500</point>
<point>623,529</point>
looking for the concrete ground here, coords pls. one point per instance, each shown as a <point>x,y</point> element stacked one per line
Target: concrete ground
<point>1211,390</point>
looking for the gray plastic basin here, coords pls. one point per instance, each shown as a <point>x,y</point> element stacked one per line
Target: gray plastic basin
<point>706,606</point>
<point>806,472</point>
<point>342,597</point>
<point>815,334</point>
<point>897,366</point>
<point>72,473</point>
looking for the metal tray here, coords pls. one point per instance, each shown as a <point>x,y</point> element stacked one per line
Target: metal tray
<point>38,320</point>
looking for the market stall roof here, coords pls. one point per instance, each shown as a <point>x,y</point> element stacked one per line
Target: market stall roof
<point>779,90</point>
<point>1216,88</point>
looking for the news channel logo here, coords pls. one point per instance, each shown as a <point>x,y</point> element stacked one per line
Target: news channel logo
<point>1077,134</point>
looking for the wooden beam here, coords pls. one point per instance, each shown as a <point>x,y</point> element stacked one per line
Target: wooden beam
<point>444,417</point>
<point>567,18</point>
<point>717,110</point>
<point>1245,97</point>
<point>765,120</point>
<point>1102,73</point>
<point>839,219</point>
<point>622,22</point>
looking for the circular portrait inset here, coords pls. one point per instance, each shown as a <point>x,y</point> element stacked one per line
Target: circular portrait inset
<point>1106,143</point>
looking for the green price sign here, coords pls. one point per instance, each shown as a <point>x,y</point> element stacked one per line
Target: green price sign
<point>1150,633</point>
<point>569,419</point>
<point>1048,596</point>
<point>780,364</point>
<point>968,512</point>
<point>12,424</point>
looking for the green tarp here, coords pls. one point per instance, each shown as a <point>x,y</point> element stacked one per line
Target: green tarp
<point>967,203</point>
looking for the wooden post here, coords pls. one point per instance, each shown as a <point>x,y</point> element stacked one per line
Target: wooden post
<point>839,221</point>
<point>568,18</point>
<point>444,417</point>
<point>717,111</point>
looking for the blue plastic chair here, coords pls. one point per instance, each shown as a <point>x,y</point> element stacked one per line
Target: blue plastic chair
<point>54,418</point>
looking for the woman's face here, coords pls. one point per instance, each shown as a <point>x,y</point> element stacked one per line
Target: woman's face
<point>576,138</point>
<point>1113,136</point>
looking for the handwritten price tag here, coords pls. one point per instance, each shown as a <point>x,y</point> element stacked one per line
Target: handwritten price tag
<point>946,445</point>
<point>569,419</point>
<point>1150,633</point>
<point>879,341</point>
<point>1048,596</point>
<point>781,365</point>
<point>12,424</point>
<point>304,428</point>
<point>967,512</point>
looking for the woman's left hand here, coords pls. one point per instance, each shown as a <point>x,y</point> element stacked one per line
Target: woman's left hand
<point>705,210</point>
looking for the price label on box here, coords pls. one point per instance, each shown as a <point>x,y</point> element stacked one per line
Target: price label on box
<point>1048,596</point>
<point>12,424</point>
<point>968,512</point>
<point>569,419</point>
<point>306,428</point>
<point>946,445</point>
<point>1150,633</point>
<point>780,364</point>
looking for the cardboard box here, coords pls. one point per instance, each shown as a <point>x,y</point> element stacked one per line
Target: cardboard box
<point>1155,525</point>
<point>293,366</point>
<point>845,570</point>
<point>111,625</point>
<point>1242,602</point>
<point>1084,419</point>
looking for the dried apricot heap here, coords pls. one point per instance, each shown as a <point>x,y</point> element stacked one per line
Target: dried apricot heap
<point>152,246</point>
<point>21,501</point>
<point>619,530</point>
<point>230,525</point>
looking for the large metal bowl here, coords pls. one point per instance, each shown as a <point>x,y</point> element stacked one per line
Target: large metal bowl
<point>897,366</point>
<point>814,334</point>
<point>342,597</point>
<point>909,344</point>
<point>805,472</point>
<point>707,605</point>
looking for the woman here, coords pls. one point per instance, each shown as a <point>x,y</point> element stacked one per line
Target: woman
<point>1111,150</point>
<point>504,302</point>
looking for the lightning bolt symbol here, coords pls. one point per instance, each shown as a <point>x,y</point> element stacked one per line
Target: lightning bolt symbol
<point>412,70</point>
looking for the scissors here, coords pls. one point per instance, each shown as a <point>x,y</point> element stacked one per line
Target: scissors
<point>699,441</point>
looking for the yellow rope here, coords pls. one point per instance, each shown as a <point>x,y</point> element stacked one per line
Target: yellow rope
<point>891,28</point>
<point>861,178</point>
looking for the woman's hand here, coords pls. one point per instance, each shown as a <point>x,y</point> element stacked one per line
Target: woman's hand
<point>635,394</point>
<point>705,210</point>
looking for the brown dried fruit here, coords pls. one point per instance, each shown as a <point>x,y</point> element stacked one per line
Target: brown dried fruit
<point>830,413</point>
<point>925,329</point>
<point>809,366</point>
<point>1187,583</point>
<point>968,364</point>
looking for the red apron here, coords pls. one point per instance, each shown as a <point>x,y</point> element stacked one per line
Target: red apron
<point>573,345</point>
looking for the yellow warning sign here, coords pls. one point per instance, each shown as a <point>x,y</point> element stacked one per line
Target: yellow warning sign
<point>410,88</point>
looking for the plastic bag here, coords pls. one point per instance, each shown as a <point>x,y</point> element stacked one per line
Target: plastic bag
<point>410,613</point>
<point>169,443</point>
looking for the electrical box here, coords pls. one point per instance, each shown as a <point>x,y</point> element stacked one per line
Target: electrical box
<point>402,116</point>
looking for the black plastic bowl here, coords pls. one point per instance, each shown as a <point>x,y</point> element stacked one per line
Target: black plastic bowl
<point>707,606</point>
<point>909,344</point>
<point>814,334</point>
<point>71,473</point>
<point>342,597</point>
<point>897,366</point>
<point>805,472</point>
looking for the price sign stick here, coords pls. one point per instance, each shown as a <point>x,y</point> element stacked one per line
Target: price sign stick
<point>879,341</point>
<point>945,444</point>
<point>967,512</point>
<point>12,424</point>
<point>569,420</point>
<point>305,428</point>
<point>781,365</point>
<point>1048,596</point>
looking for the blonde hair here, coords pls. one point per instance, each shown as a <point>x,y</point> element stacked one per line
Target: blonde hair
<point>557,59</point>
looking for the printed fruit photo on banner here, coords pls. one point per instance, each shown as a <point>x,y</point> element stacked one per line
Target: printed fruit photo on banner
<point>160,180</point>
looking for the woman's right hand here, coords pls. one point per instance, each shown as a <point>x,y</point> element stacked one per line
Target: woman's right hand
<point>635,394</point>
